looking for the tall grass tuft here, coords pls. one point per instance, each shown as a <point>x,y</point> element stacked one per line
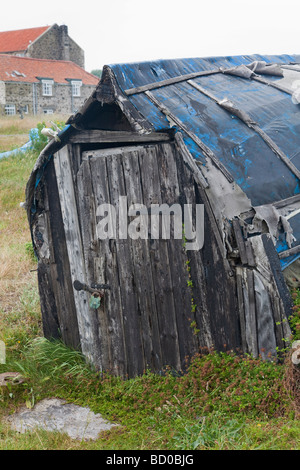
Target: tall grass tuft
<point>43,360</point>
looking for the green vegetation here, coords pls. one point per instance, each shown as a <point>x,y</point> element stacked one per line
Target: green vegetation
<point>97,72</point>
<point>14,132</point>
<point>223,401</point>
<point>38,139</point>
<point>295,319</point>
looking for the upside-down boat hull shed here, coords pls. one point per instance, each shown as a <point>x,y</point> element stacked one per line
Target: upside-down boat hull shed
<point>218,132</point>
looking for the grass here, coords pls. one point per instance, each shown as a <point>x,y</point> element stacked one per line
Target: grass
<point>12,125</point>
<point>11,142</point>
<point>224,401</point>
<point>295,321</point>
<point>14,132</point>
<point>17,282</point>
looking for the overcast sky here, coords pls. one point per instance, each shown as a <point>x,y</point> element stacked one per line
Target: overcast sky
<point>112,31</point>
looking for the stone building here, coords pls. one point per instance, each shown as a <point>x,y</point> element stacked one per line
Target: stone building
<point>38,86</point>
<point>45,42</point>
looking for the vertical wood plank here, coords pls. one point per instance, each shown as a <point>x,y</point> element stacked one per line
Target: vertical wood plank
<point>48,302</point>
<point>174,193</point>
<point>240,241</point>
<point>241,308</point>
<point>107,261</point>
<point>131,318</point>
<point>75,151</point>
<point>267,267</point>
<point>64,177</point>
<point>160,264</point>
<point>59,267</point>
<point>196,260</point>
<point>252,313</point>
<point>266,339</point>
<point>87,219</point>
<point>142,275</point>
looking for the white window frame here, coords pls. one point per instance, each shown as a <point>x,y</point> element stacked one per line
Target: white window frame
<point>76,88</point>
<point>10,109</point>
<point>47,87</point>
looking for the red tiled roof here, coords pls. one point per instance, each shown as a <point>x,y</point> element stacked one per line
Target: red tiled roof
<point>23,69</point>
<point>19,40</point>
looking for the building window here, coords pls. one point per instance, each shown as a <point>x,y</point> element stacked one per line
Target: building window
<point>48,111</point>
<point>10,109</point>
<point>76,85</point>
<point>47,87</point>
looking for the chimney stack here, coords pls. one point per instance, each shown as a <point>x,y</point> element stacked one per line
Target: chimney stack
<point>65,43</point>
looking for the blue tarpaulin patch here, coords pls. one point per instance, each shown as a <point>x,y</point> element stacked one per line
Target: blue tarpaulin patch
<point>263,176</point>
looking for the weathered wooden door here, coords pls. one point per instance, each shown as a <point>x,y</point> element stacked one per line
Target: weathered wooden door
<point>145,318</point>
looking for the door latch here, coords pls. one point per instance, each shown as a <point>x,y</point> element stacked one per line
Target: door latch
<point>94,287</point>
<point>95,290</point>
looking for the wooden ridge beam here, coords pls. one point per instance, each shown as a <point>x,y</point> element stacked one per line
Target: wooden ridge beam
<point>169,81</point>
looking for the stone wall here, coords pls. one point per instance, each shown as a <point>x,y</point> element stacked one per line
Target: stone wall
<point>62,101</point>
<point>2,93</point>
<point>19,94</point>
<point>76,53</point>
<point>56,44</point>
<point>30,95</point>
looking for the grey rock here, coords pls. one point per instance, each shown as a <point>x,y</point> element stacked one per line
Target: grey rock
<point>53,414</point>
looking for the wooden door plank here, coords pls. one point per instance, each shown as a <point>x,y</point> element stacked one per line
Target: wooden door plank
<point>87,219</point>
<point>112,301</point>
<point>131,319</point>
<point>142,275</point>
<point>160,265</point>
